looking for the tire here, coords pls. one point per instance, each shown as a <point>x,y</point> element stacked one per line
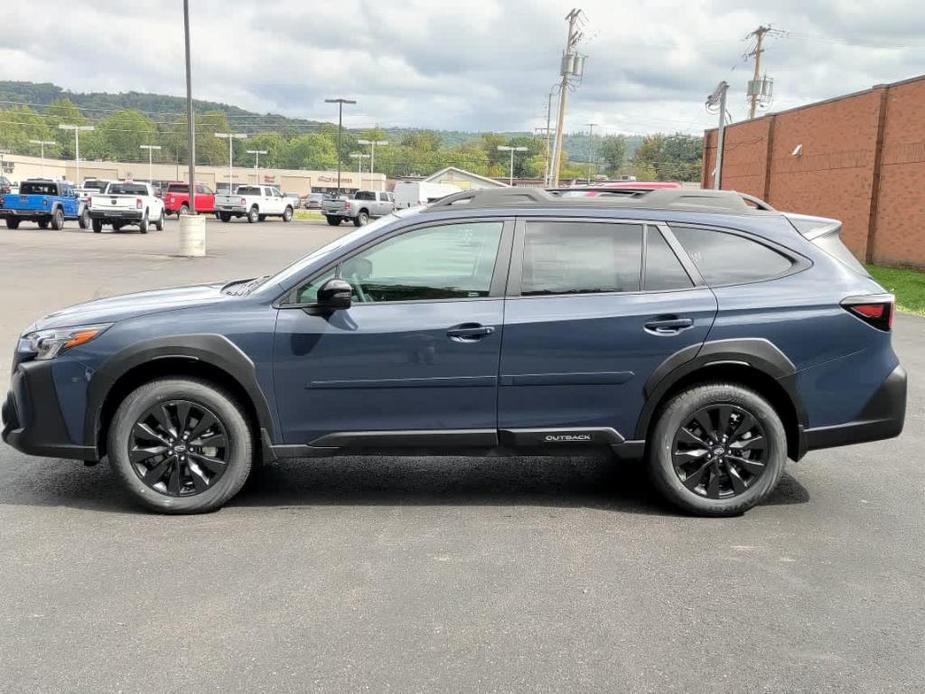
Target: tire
<point>261,218</point>
<point>84,220</point>
<point>12,223</point>
<point>117,226</point>
<point>253,216</point>
<point>161,221</point>
<point>224,216</point>
<point>184,209</point>
<point>362,219</point>
<point>43,223</point>
<point>196,493</point>
<point>332,220</point>
<point>287,214</point>
<point>143,224</point>
<point>97,226</point>
<point>730,476</point>
<point>57,219</point>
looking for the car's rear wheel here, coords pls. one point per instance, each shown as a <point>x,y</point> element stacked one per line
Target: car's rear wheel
<point>57,219</point>
<point>184,209</point>
<point>287,214</point>
<point>84,220</point>
<point>180,446</point>
<point>261,217</point>
<point>717,450</point>
<point>42,223</point>
<point>143,224</point>
<point>97,225</point>
<point>362,218</point>
<point>253,216</point>
<point>12,223</point>
<point>161,221</point>
<point>117,226</point>
<point>332,220</point>
<point>224,216</point>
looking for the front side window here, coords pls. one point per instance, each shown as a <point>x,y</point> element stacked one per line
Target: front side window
<point>730,259</point>
<point>452,261</point>
<point>581,258</point>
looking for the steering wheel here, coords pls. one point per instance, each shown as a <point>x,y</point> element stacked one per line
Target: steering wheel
<point>358,288</point>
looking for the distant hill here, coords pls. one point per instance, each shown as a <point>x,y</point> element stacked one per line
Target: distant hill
<point>96,105</point>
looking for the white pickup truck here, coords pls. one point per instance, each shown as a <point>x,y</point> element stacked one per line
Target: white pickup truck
<point>363,206</point>
<point>254,202</point>
<point>125,203</point>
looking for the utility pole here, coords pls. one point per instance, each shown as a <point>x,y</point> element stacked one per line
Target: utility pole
<point>372,152</point>
<point>77,130</point>
<point>718,99</point>
<point>755,94</point>
<point>590,149</point>
<point>231,137</point>
<point>504,148</point>
<point>190,123</point>
<point>340,124</point>
<point>572,66</point>
<point>43,144</point>
<point>547,168</point>
<point>256,153</point>
<point>150,149</point>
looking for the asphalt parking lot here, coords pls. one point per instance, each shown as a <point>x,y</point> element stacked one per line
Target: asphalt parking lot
<point>436,574</point>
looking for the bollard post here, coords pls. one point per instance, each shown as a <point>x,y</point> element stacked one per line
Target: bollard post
<point>192,235</point>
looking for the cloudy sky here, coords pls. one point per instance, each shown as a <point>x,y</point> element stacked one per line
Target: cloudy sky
<point>472,64</point>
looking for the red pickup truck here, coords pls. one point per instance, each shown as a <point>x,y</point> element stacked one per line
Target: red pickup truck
<point>176,199</point>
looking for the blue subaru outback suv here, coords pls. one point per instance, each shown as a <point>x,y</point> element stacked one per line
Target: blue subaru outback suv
<point>702,331</point>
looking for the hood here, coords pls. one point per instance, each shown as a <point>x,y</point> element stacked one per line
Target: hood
<point>118,308</point>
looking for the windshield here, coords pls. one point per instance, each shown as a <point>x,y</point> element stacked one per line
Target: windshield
<point>294,271</point>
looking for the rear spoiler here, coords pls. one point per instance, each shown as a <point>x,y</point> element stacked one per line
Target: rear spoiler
<point>813,227</point>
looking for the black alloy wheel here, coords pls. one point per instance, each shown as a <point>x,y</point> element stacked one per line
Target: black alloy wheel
<point>179,448</point>
<point>720,451</point>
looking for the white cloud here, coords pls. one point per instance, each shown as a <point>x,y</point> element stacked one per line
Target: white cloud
<point>474,65</point>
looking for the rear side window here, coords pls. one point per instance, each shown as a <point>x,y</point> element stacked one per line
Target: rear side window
<point>581,258</point>
<point>663,269</point>
<point>730,259</point>
<point>247,190</point>
<point>364,195</point>
<point>177,188</point>
<point>38,188</point>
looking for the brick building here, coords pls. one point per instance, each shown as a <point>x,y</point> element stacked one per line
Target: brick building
<point>859,158</point>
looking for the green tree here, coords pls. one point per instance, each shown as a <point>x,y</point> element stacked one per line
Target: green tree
<point>311,151</point>
<point>120,136</point>
<point>20,124</point>
<point>611,150</point>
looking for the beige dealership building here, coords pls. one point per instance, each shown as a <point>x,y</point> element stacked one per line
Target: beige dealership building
<point>18,168</point>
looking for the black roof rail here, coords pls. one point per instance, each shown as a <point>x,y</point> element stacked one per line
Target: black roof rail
<point>691,199</point>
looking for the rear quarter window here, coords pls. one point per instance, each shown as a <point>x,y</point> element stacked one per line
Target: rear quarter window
<point>38,188</point>
<point>724,258</point>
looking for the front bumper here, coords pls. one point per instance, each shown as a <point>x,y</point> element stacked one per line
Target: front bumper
<point>32,420</point>
<point>120,215</point>
<point>882,418</point>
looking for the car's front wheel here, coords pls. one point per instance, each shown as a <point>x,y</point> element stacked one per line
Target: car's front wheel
<point>84,220</point>
<point>287,214</point>
<point>717,449</point>
<point>180,446</point>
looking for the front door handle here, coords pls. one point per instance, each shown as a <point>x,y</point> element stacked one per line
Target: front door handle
<point>469,332</point>
<point>668,326</point>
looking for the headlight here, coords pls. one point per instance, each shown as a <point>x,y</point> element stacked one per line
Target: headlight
<point>47,344</point>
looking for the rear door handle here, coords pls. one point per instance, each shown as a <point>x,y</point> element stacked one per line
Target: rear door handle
<point>668,326</point>
<point>469,332</point>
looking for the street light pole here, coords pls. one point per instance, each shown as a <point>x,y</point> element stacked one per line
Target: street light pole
<point>372,144</point>
<point>77,129</point>
<point>231,137</point>
<point>190,121</point>
<point>42,144</point>
<point>359,157</point>
<point>590,149</point>
<point>150,149</point>
<point>340,124</point>
<point>504,148</point>
<point>256,153</point>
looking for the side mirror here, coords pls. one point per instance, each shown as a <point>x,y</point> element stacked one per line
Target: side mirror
<point>335,295</point>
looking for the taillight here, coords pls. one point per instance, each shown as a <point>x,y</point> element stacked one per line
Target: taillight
<point>875,310</point>
<point>138,203</point>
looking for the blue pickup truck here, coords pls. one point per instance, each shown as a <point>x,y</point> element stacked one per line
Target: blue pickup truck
<point>45,202</point>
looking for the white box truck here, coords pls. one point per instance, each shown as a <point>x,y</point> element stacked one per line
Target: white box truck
<point>414,193</point>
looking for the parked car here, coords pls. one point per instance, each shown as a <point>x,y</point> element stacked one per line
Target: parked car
<point>43,201</point>
<point>414,193</point>
<point>687,328</point>
<point>313,201</point>
<point>128,203</point>
<point>176,199</point>
<point>256,203</point>
<point>95,184</point>
<point>294,199</point>
<point>363,206</point>
<point>6,185</point>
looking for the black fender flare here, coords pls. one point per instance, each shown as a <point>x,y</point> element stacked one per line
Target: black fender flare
<point>756,353</point>
<point>215,350</point>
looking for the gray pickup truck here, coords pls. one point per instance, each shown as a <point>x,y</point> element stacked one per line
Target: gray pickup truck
<point>363,206</point>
